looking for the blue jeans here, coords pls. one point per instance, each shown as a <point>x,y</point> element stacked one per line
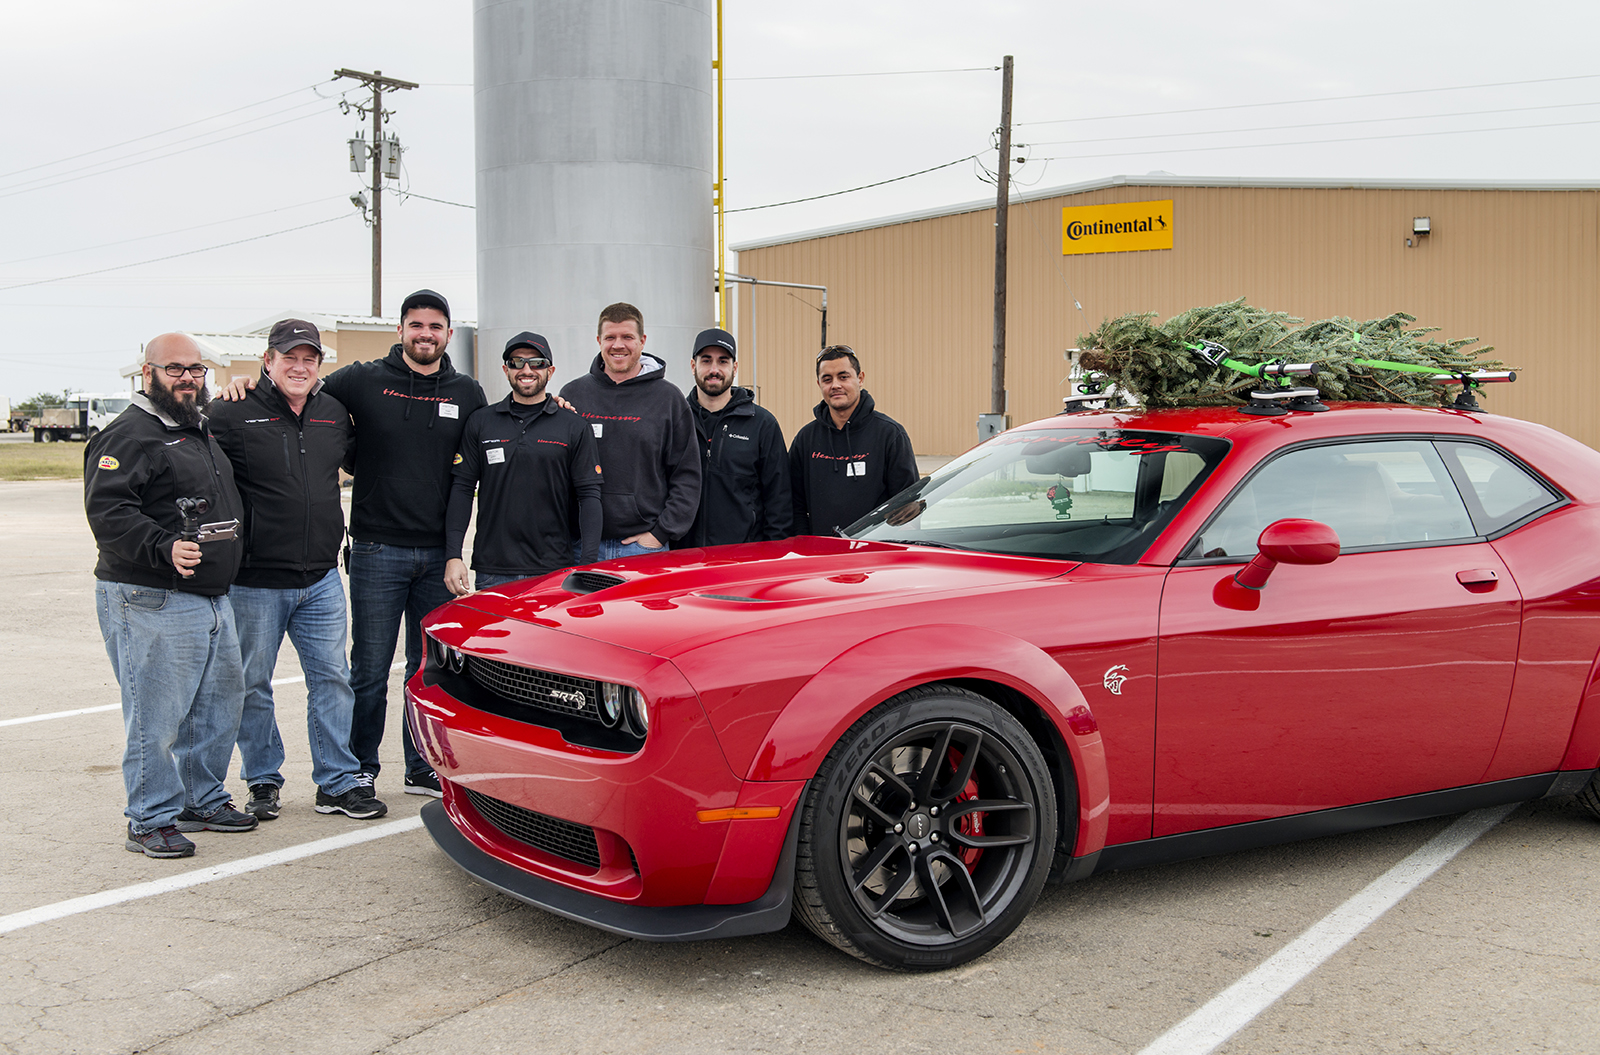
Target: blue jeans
<point>388,584</point>
<point>314,620</point>
<point>614,549</point>
<point>176,657</point>
<point>485,579</point>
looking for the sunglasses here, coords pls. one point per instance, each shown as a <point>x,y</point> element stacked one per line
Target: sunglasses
<point>517,362</point>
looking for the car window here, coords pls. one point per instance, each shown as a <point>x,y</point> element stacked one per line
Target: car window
<point>1374,495</point>
<point>1500,491</point>
<point>1101,495</point>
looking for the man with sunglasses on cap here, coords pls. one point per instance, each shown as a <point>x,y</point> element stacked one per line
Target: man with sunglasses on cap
<point>852,457</point>
<point>287,440</point>
<point>532,464</point>
<point>409,410</point>
<point>161,592</point>
<point>744,482</point>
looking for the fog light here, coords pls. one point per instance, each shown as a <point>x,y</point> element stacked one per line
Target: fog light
<point>611,705</point>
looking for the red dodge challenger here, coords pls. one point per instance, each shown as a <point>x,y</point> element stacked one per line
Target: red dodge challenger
<point>1104,640</point>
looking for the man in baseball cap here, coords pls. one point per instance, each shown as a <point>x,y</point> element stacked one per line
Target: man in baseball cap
<point>530,462</point>
<point>744,484</point>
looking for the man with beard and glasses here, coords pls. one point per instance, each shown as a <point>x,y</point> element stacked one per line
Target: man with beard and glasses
<point>531,462</point>
<point>409,410</point>
<point>287,441</point>
<point>744,482</point>
<point>162,601</point>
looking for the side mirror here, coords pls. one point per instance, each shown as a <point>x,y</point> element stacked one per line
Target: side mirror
<point>1290,541</point>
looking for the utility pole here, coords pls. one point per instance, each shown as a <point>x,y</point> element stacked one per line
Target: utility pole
<point>385,162</point>
<point>997,375</point>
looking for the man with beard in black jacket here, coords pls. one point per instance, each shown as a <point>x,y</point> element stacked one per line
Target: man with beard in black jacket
<point>647,440</point>
<point>286,441</point>
<point>852,457</point>
<point>162,597</point>
<point>744,470</point>
<point>409,410</point>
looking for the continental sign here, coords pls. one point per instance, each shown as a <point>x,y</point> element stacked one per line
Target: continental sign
<point>1123,228</point>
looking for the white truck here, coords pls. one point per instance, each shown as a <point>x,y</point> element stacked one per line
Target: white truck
<point>85,414</point>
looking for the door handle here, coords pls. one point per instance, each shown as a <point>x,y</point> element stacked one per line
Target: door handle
<point>1478,577</point>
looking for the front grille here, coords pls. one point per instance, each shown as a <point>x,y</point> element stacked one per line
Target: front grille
<point>538,688</point>
<point>575,842</point>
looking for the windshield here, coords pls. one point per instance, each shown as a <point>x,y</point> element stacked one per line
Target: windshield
<point>114,404</point>
<point>1098,495</point>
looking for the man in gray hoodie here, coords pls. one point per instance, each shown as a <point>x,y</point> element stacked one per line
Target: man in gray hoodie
<point>646,436</point>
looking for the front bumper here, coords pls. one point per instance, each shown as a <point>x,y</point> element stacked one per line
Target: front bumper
<point>770,912</point>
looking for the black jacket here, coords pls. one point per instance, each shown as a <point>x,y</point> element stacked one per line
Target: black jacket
<point>744,474</point>
<point>287,469</point>
<point>840,475</point>
<point>647,448</point>
<point>134,472</point>
<point>527,471</point>
<point>408,427</point>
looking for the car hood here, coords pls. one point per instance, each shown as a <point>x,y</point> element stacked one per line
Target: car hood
<point>667,602</point>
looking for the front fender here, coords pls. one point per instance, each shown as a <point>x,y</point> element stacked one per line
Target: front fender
<point>879,668</point>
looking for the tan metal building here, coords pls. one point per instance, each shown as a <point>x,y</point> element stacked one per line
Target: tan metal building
<point>1514,264</point>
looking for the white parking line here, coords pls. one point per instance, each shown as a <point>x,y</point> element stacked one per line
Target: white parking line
<point>118,706</point>
<point>1236,1006</point>
<point>73,906</point>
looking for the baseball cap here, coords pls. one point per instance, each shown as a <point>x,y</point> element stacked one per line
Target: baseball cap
<point>292,333</point>
<point>425,298</point>
<point>528,339</point>
<point>715,338</point>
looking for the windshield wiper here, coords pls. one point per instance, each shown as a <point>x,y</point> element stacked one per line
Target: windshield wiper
<point>918,542</point>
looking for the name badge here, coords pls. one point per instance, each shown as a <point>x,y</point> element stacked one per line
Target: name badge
<point>598,427</point>
<point>856,469</point>
<point>449,410</point>
<point>494,455</point>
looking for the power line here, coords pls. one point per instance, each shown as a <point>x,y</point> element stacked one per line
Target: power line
<point>1324,99</point>
<point>1310,124</point>
<point>164,131</point>
<point>13,192</point>
<point>1315,142</point>
<point>852,190</point>
<point>884,73</point>
<point>441,201</point>
<point>174,256</point>
<point>160,234</point>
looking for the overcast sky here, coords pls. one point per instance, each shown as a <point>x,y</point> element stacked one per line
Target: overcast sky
<point>99,173</point>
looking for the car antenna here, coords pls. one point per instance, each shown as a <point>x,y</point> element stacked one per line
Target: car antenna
<point>1271,400</point>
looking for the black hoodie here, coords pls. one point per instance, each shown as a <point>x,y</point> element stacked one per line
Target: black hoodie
<point>744,483</point>
<point>840,475</point>
<point>408,426</point>
<point>647,449</point>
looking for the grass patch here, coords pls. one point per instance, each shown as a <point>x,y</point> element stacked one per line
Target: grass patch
<point>41,461</point>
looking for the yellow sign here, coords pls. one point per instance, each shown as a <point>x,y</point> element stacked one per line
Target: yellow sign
<point>1123,228</point>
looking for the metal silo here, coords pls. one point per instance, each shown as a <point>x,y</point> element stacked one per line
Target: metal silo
<point>594,172</point>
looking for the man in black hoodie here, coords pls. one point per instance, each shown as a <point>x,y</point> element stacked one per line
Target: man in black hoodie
<point>744,482</point>
<point>852,457</point>
<point>409,410</point>
<point>647,440</point>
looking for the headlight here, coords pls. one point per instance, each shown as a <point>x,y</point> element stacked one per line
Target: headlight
<point>623,704</point>
<point>438,658</point>
<point>458,661</point>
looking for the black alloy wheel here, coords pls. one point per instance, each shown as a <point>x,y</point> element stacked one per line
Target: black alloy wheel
<point>928,832</point>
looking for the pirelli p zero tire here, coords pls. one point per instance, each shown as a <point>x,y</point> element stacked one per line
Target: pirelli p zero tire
<point>928,832</point>
<point>1589,797</point>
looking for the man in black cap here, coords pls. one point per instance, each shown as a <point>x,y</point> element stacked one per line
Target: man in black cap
<point>531,463</point>
<point>744,481</point>
<point>286,441</point>
<point>409,410</point>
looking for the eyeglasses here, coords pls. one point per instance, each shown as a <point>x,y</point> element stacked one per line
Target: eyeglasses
<point>178,369</point>
<point>517,362</point>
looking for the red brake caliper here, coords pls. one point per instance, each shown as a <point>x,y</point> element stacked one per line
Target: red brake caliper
<point>971,823</point>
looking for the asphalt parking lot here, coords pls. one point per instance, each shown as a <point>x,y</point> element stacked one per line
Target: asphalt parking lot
<point>381,945</point>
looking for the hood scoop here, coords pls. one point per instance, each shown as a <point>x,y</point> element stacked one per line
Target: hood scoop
<point>590,581</point>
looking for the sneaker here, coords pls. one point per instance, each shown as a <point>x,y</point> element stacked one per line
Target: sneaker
<point>424,783</point>
<point>159,842</point>
<point>367,780</point>
<point>222,819</point>
<point>357,802</point>
<point>263,804</point>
